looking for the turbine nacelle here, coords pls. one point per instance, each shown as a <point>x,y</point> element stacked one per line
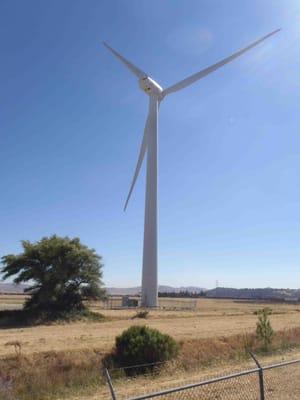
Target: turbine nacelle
<point>150,87</point>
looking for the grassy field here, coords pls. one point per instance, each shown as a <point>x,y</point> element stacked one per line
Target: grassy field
<point>212,318</point>
<point>214,330</point>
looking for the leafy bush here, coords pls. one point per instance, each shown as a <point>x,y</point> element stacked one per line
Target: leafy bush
<point>143,345</point>
<point>268,310</point>
<point>141,314</point>
<point>264,330</point>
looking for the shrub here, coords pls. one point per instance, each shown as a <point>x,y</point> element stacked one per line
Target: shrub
<point>141,314</point>
<point>264,330</point>
<point>268,310</point>
<point>143,345</point>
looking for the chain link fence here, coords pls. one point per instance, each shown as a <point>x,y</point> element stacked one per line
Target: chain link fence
<point>282,381</point>
<point>272,382</point>
<point>134,302</point>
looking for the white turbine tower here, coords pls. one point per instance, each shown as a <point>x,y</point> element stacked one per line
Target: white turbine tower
<point>149,145</point>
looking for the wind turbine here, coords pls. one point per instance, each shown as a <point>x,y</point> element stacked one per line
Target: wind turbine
<point>149,145</point>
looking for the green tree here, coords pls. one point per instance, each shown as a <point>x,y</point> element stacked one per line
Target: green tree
<point>61,272</point>
<point>264,330</point>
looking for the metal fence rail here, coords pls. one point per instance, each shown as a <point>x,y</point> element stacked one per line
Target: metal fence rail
<point>272,382</point>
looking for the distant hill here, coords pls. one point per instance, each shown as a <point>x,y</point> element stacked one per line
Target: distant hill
<point>12,288</point>
<point>264,293</point>
<point>220,292</point>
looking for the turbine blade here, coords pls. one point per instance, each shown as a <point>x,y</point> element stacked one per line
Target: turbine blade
<point>142,153</point>
<point>135,70</point>
<point>201,74</point>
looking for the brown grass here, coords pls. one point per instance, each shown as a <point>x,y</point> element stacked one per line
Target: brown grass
<point>213,318</point>
<point>206,352</point>
<point>51,374</point>
<point>47,375</point>
<point>60,360</point>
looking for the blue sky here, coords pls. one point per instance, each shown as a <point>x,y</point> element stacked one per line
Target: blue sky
<point>71,121</point>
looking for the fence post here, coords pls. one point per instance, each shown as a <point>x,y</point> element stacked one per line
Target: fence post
<point>110,385</point>
<point>260,375</point>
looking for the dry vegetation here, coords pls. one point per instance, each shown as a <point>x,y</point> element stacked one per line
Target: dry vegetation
<point>283,384</point>
<point>212,318</point>
<point>50,360</point>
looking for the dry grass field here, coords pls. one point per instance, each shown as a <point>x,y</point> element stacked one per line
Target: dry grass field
<point>212,318</point>
<point>281,384</point>
<point>11,301</point>
<point>212,330</point>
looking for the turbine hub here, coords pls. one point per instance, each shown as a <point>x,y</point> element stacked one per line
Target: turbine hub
<point>150,87</point>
